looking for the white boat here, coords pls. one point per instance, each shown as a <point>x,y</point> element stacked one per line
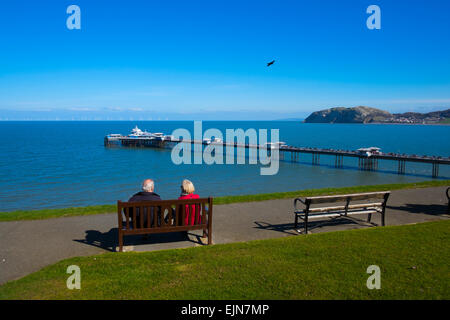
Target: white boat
<point>138,133</point>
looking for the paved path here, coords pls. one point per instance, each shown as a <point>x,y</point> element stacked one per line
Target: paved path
<point>27,246</point>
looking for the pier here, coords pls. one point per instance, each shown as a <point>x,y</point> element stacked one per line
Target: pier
<point>366,161</point>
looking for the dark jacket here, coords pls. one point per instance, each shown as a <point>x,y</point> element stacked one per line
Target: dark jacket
<point>145,196</point>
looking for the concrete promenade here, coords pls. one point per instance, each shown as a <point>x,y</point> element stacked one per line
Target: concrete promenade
<point>27,246</point>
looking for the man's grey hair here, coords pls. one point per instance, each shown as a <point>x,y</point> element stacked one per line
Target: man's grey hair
<point>148,185</point>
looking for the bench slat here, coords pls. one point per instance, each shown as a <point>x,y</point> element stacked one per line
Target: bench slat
<point>351,206</point>
<point>197,214</point>
<point>177,215</point>
<point>127,216</point>
<point>134,218</point>
<point>351,197</point>
<point>183,214</point>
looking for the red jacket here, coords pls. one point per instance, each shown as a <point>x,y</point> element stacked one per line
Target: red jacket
<point>189,218</point>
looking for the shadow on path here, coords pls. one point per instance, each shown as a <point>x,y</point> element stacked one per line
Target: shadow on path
<point>431,209</point>
<point>109,240</point>
<point>288,228</point>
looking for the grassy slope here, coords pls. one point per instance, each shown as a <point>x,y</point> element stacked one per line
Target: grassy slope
<point>414,262</point>
<point>80,211</point>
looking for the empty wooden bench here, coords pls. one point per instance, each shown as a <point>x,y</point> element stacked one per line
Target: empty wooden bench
<point>164,216</point>
<point>351,204</point>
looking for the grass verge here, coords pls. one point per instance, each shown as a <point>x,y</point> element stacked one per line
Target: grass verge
<point>81,211</point>
<point>414,263</point>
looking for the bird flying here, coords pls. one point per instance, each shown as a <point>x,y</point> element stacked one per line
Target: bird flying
<point>270,63</point>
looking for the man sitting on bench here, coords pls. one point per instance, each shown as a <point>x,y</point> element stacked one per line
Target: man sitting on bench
<point>146,194</point>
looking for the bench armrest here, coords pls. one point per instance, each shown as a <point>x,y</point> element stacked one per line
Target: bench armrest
<point>295,203</point>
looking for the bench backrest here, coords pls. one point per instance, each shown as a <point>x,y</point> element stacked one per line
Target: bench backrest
<point>348,197</point>
<point>168,214</point>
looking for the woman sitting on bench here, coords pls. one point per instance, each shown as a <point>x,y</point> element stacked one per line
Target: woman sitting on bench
<point>187,192</point>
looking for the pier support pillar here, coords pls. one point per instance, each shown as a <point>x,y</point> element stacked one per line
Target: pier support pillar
<point>315,158</point>
<point>339,161</point>
<point>401,166</point>
<point>435,169</point>
<point>294,156</point>
<point>367,163</point>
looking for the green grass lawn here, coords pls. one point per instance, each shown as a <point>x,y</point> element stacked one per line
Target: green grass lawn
<point>80,211</point>
<point>414,262</point>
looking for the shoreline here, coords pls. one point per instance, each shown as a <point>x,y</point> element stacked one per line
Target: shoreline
<point>41,214</point>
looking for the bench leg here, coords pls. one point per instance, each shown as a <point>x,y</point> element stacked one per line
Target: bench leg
<point>369,217</point>
<point>383,218</point>
<point>306,223</point>
<point>120,242</point>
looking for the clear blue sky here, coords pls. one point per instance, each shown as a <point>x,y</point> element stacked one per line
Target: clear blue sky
<point>193,56</point>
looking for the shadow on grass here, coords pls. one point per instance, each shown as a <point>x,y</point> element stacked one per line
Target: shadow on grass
<point>109,240</point>
<point>430,209</point>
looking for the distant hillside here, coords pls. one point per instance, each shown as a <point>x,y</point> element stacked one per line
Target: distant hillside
<point>438,116</point>
<point>348,115</point>
<point>372,115</point>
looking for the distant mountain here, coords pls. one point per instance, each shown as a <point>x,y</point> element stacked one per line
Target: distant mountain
<point>348,115</point>
<point>372,115</point>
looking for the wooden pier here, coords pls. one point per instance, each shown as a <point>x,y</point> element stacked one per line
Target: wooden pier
<point>365,162</point>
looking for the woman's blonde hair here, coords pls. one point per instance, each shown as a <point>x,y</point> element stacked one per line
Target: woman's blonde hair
<point>187,186</point>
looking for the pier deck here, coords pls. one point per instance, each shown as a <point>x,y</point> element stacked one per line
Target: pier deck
<point>365,162</point>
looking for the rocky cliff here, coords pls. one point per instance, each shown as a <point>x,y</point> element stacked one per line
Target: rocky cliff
<point>348,115</point>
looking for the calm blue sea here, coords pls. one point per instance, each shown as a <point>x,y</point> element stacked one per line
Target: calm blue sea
<point>65,164</point>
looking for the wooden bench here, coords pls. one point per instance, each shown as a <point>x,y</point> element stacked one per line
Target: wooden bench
<point>164,216</point>
<point>373,202</point>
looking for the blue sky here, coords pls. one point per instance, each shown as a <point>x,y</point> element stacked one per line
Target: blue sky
<point>186,59</point>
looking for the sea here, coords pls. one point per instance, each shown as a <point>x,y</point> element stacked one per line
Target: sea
<point>58,164</point>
